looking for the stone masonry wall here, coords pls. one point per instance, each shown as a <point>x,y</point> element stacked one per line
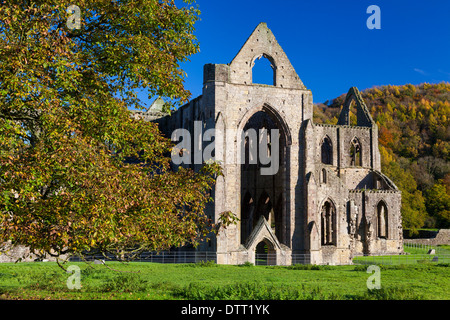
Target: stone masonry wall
<point>442,237</point>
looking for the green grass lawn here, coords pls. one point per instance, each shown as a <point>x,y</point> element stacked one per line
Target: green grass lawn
<point>143,280</point>
<point>441,249</point>
<point>414,255</point>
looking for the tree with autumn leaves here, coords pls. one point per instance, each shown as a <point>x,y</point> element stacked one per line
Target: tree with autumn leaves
<point>78,174</point>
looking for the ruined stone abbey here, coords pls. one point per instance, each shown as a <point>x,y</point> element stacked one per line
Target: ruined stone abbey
<point>328,199</point>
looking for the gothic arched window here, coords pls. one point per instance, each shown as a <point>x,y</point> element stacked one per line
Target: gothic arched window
<point>326,151</point>
<point>355,153</point>
<point>264,70</point>
<point>328,223</point>
<point>324,176</point>
<point>382,220</point>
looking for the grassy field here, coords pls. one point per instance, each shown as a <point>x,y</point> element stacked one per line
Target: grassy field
<point>441,249</point>
<point>45,280</point>
<point>415,255</point>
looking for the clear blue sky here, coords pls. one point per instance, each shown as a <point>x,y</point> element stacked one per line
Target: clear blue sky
<point>328,42</point>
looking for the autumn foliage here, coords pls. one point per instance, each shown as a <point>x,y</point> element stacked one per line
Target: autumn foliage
<point>78,174</point>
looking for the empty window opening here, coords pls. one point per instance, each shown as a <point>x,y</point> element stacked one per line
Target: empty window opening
<point>267,196</point>
<point>355,153</point>
<point>324,176</point>
<point>328,224</point>
<point>382,220</point>
<point>352,114</point>
<point>326,151</point>
<point>263,71</point>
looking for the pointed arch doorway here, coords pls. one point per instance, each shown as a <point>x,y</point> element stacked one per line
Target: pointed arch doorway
<point>265,254</point>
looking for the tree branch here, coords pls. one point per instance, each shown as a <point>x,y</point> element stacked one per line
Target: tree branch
<point>18,117</point>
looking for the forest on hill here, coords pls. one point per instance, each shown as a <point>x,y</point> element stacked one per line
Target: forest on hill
<point>414,141</point>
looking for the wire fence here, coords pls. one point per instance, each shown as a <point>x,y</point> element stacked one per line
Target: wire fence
<point>161,257</point>
<point>414,253</point>
<point>301,259</point>
<point>270,259</point>
<point>267,259</point>
<point>178,257</point>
